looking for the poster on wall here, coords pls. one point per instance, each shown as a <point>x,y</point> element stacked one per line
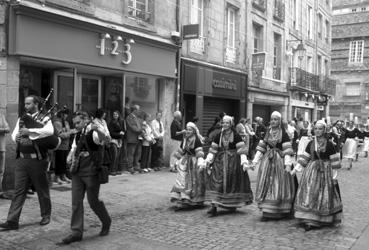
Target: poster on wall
<point>141,90</point>
<point>113,94</point>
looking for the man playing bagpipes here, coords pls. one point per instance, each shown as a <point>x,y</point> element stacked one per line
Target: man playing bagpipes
<point>32,161</point>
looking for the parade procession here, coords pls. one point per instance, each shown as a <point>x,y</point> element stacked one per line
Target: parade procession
<point>197,124</point>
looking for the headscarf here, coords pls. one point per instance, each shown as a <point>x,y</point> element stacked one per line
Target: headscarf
<point>321,122</point>
<point>193,126</point>
<point>228,119</point>
<point>277,114</point>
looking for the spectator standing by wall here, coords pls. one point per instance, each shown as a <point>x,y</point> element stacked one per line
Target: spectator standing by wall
<point>176,133</point>
<point>157,148</point>
<point>117,133</point>
<point>134,130</point>
<point>4,128</point>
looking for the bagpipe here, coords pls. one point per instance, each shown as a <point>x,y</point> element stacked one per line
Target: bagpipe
<point>39,120</point>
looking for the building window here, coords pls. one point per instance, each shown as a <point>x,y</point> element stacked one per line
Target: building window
<point>356,51</point>
<point>139,9</point>
<point>319,65</point>
<point>295,14</point>
<point>320,25</point>
<point>310,22</point>
<point>309,64</point>
<point>327,31</point>
<point>197,17</point>
<point>277,56</point>
<point>352,88</point>
<point>353,10</point>
<point>258,37</point>
<point>259,4</point>
<point>231,36</point>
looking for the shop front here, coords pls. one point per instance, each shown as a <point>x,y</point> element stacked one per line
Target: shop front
<point>88,64</point>
<point>303,110</point>
<point>208,90</point>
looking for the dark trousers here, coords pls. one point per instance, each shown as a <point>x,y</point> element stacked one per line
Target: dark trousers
<point>28,170</point>
<point>157,155</point>
<point>134,155</point>
<point>115,157</point>
<point>145,157</point>
<point>91,186</point>
<point>61,162</point>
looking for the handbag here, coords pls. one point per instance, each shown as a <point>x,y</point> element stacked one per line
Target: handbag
<point>103,174</point>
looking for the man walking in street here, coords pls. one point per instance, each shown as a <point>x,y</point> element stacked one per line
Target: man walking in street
<point>176,133</point>
<point>4,129</point>
<point>31,165</point>
<point>157,148</point>
<point>134,130</point>
<point>85,163</point>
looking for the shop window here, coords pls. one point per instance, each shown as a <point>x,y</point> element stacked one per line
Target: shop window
<point>352,88</point>
<point>143,91</point>
<point>141,9</point>
<point>356,51</point>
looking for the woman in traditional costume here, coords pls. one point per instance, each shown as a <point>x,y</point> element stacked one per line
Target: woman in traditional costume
<point>318,201</point>
<point>350,147</point>
<point>189,188</point>
<point>275,188</point>
<point>227,183</point>
<point>304,138</point>
<point>366,140</point>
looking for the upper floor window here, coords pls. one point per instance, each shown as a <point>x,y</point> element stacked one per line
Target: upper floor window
<point>352,88</point>
<point>295,14</point>
<point>258,37</point>
<point>279,9</point>
<point>320,25</point>
<point>197,17</point>
<point>310,22</point>
<point>139,9</point>
<point>356,51</point>
<point>231,35</point>
<point>327,31</point>
<point>277,56</point>
<point>259,4</point>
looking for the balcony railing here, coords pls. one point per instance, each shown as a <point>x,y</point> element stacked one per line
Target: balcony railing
<point>259,4</point>
<point>279,10</point>
<point>277,73</point>
<point>327,85</point>
<point>304,79</point>
<point>231,55</point>
<point>197,45</point>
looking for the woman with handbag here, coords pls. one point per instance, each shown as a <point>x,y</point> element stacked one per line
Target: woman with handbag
<point>318,200</point>
<point>116,132</point>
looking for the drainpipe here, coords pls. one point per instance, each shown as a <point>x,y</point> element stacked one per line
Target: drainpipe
<point>178,57</point>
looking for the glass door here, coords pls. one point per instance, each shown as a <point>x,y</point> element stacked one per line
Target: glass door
<point>90,93</point>
<point>64,90</point>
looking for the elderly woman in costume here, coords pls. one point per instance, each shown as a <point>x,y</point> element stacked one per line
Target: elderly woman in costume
<point>228,183</point>
<point>189,188</point>
<point>318,200</point>
<point>350,147</point>
<point>275,188</point>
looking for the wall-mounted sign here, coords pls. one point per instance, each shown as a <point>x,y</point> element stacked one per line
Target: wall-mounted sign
<point>320,107</point>
<point>191,31</point>
<point>118,46</point>
<point>224,84</point>
<point>258,61</point>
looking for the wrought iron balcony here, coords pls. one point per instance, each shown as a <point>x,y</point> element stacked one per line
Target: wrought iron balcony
<point>327,85</point>
<point>303,79</point>
<point>279,10</point>
<point>259,4</point>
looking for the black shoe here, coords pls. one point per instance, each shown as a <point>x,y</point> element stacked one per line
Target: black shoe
<point>70,239</point>
<point>45,221</point>
<point>212,212</point>
<point>9,226</point>
<point>308,228</point>
<point>105,228</point>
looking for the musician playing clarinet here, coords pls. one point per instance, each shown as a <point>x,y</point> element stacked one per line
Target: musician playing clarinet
<point>31,165</point>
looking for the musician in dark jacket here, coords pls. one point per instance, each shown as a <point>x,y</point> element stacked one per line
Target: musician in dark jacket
<point>31,165</point>
<point>85,161</point>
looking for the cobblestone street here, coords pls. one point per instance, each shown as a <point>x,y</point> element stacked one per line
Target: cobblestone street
<point>143,219</point>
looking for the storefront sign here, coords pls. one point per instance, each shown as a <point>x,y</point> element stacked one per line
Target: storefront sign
<point>114,50</point>
<point>224,84</point>
<point>258,61</point>
<point>302,104</point>
<point>191,31</point>
<point>321,108</point>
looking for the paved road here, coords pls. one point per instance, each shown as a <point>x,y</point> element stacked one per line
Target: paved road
<point>143,219</point>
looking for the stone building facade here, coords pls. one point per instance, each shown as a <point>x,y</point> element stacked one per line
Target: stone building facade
<point>93,53</point>
<point>213,72</point>
<point>283,77</point>
<point>350,60</point>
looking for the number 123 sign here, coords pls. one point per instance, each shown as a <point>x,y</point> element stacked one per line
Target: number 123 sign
<point>115,49</point>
